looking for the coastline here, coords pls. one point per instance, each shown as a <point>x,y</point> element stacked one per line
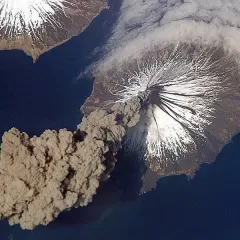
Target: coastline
<point>49,37</point>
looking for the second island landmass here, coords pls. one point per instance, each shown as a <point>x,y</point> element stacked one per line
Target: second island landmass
<point>68,22</point>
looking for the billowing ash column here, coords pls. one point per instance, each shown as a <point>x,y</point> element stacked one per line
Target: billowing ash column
<point>190,98</point>
<point>42,176</point>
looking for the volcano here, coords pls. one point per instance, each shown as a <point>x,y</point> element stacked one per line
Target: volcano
<point>190,105</point>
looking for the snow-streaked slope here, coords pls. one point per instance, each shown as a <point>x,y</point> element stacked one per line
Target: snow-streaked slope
<point>183,89</point>
<point>25,16</point>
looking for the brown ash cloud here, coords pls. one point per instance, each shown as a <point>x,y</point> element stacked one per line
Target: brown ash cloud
<point>42,176</point>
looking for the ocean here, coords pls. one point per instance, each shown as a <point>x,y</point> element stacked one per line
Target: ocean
<point>47,95</point>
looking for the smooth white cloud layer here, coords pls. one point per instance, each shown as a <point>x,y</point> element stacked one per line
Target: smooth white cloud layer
<point>143,23</point>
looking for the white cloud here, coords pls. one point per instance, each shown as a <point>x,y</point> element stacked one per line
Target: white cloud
<point>143,23</point>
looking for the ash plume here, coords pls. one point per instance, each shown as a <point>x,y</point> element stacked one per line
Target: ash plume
<point>42,176</point>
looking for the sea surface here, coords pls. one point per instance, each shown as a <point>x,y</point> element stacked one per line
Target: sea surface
<point>47,95</point>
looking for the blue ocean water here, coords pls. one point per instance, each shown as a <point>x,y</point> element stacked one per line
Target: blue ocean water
<point>44,95</point>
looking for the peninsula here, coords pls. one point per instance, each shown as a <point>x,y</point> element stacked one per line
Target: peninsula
<point>36,26</point>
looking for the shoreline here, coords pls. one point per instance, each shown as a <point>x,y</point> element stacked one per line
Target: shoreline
<point>47,38</point>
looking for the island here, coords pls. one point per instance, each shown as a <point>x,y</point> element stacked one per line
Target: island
<point>36,29</point>
<point>189,105</point>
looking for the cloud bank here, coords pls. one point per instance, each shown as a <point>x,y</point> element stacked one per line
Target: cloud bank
<point>143,24</point>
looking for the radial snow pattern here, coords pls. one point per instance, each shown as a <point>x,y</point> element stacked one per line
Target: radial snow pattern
<point>25,16</point>
<point>184,91</point>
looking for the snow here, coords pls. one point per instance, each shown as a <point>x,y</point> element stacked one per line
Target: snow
<point>19,17</point>
<point>190,90</point>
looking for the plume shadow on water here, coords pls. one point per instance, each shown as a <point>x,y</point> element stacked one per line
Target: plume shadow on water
<point>203,208</point>
<point>123,186</point>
